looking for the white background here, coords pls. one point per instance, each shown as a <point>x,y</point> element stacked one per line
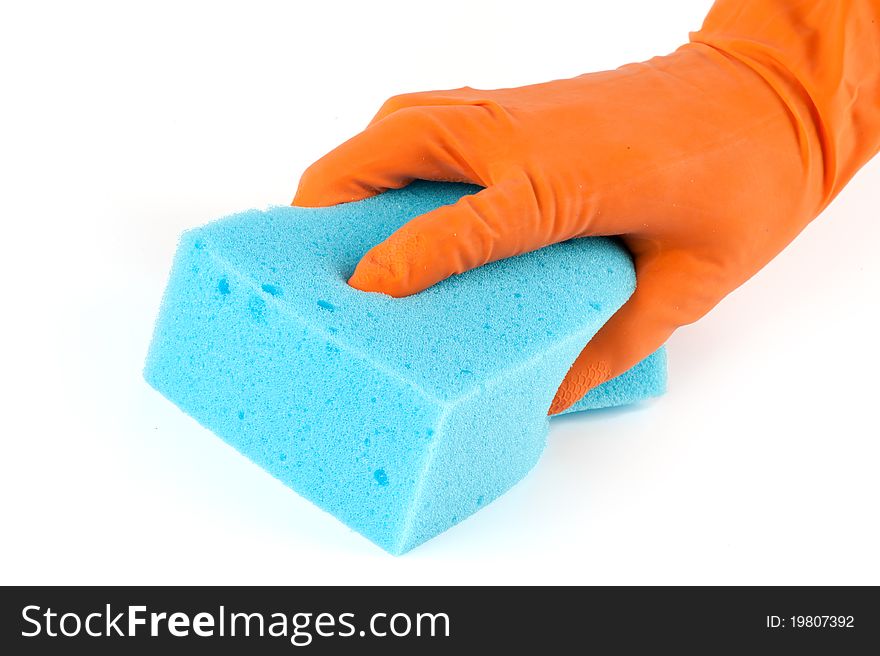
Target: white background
<point>123,126</point>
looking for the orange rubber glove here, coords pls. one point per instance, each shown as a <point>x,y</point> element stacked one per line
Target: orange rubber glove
<point>707,162</point>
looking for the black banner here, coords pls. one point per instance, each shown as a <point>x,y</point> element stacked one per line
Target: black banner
<point>423,620</point>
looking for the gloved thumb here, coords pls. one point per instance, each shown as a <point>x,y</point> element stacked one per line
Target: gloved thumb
<point>671,291</point>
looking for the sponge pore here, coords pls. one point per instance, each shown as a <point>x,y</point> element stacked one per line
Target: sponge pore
<point>401,417</point>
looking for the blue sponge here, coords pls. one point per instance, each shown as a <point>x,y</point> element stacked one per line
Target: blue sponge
<point>399,416</point>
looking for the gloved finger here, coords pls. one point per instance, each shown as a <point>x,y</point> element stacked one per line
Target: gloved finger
<point>499,221</point>
<point>670,293</point>
<point>414,143</point>
<point>462,96</point>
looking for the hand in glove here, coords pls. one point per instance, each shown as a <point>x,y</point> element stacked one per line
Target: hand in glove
<point>706,162</point>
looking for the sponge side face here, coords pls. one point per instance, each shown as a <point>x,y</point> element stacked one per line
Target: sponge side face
<point>399,416</point>
<point>288,398</point>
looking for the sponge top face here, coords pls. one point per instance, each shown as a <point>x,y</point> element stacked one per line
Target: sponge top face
<point>445,341</point>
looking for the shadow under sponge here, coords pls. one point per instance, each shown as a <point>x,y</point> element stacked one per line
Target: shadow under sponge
<point>401,417</point>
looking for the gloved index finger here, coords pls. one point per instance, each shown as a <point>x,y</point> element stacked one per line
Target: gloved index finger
<point>410,144</point>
